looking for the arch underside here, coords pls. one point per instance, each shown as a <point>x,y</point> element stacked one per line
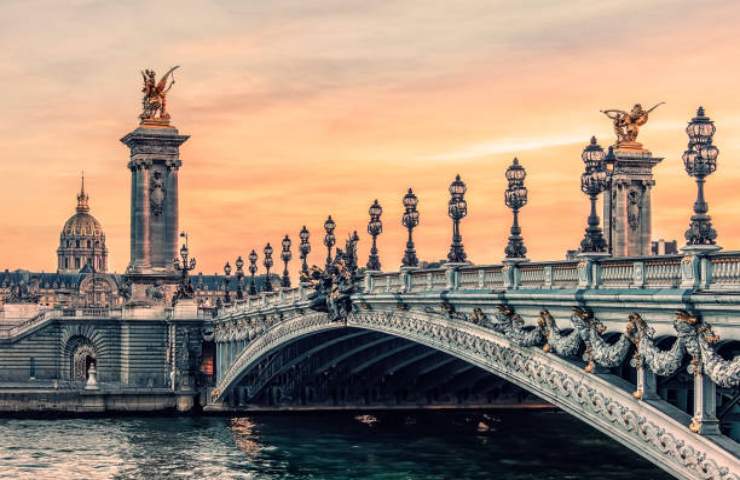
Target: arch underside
<point>358,367</point>
<point>655,430</point>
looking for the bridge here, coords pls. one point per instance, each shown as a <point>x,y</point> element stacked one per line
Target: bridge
<point>598,338</point>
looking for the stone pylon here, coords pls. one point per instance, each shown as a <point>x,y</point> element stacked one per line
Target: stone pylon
<point>154,164</point>
<point>627,205</point>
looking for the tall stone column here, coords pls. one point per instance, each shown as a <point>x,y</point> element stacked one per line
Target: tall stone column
<point>627,207</point>
<point>154,164</point>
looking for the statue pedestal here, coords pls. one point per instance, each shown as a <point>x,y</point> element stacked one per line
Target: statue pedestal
<point>627,204</point>
<point>154,164</point>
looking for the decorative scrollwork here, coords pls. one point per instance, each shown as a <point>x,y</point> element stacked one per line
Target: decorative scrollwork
<point>598,351</point>
<point>565,345</point>
<point>699,339</point>
<point>512,326</point>
<point>660,362</point>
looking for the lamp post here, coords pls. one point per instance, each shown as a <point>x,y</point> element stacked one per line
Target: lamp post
<point>374,228</point>
<point>252,271</point>
<point>700,161</point>
<point>268,265</point>
<point>329,238</point>
<point>286,256</point>
<point>515,197</point>
<point>457,210</point>
<point>183,264</point>
<point>593,182</point>
<point>227,280</point>
<point>410,220</point>
<point>610,163</point>
<point>305,249</point>
<point>239,278</point>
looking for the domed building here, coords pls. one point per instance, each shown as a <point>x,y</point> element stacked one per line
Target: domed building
<point>82,241</point>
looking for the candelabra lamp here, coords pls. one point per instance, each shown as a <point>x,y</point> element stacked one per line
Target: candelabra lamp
<point>305,249</point>
<point>268,265</point>
<point>285,255</point>
<point>184,264</point>
<point>457,210</point>
<point>252,271</point>
<point>515,197</point>
<point>329,238</point>
<point>239,278</point>
<point>227,280</point>
<point>700,161</point>
<point>594,181</point>
<point>374,228</point>
<point>410,220</point>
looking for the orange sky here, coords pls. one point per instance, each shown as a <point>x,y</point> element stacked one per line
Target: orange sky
<point>300,109</point>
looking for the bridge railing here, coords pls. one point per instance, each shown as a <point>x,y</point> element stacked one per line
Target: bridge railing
<point>715,271</point>
<point>725,271</point>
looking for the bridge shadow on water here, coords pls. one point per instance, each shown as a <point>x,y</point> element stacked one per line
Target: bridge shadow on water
<point>508,445</point>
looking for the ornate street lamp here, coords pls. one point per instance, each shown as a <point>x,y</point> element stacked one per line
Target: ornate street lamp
<point>515,197</point>
<point>700,161</point>
<point>594,181</point>
<point>457,210</point>
<point>268,265</point>
<point>305,249</point>
<point>252,271</point>
<point>184,265</point>
<point>286,256</point>
<point>374,228</point>
<point>410,220</point>
<point>239,278</point>
<point>329,238</point>
<point>227,280</point>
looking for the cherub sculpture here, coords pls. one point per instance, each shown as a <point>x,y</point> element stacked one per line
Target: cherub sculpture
<point>154,101</point>
<point>627,124</point>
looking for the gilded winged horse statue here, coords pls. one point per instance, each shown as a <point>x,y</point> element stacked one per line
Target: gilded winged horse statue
<point>154,101</point>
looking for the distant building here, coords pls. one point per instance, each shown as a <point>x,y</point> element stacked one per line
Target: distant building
<point>82,241</point>
<point>661,247</point>
<point>82,278</point>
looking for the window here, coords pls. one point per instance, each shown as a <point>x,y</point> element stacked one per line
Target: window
<point>89,244</point>
<point>32,372</point>
<point>77,243</point>
<point>77,262</point>
<point>66,262</point>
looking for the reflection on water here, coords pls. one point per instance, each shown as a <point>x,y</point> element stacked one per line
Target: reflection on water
<point>431,445</point>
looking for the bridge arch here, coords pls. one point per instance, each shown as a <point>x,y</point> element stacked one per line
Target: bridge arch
<point>655,430</point>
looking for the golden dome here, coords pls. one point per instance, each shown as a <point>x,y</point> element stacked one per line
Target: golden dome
<point>82,224</point>
<point>82,241</point>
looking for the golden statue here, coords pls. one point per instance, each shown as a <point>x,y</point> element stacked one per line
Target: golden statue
<point>627,124</point>
<point>154,102</point>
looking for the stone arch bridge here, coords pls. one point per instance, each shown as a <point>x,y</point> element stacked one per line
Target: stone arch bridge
<point>602,340</point>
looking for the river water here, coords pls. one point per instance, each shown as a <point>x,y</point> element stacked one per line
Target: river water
<point>430,445</point>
